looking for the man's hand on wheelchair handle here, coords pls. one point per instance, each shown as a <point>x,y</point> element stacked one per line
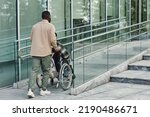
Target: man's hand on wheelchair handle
<point>58,49</point>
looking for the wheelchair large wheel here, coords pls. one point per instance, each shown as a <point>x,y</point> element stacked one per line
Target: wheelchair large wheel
<point>65,76</point>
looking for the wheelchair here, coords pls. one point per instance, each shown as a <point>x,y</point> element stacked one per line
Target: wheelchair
<point>61,71</point>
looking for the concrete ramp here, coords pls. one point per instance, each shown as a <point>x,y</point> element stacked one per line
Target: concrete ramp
<point>110,75</point>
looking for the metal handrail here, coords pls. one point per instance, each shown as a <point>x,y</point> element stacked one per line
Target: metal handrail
<point>93,36</point>
<point>24,39</point>
<point>105,33</point>
<point>69,29</point>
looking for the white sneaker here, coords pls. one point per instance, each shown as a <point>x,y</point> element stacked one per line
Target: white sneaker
<point>30,94</point>
<point>55,80</point>
<point>46,92</point>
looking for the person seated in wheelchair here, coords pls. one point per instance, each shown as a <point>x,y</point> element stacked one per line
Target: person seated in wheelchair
<point>58,55</point>
<point>59,58</point>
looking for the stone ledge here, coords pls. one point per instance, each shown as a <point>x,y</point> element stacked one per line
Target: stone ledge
<point>20,84</point>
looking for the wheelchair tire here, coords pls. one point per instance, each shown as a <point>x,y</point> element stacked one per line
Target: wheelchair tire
<point>39,81</point>
<point>65,76</point>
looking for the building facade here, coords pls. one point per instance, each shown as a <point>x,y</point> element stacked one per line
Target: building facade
<point>78,23</point>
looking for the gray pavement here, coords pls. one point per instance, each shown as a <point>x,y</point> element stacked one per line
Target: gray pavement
<point>108,91</point>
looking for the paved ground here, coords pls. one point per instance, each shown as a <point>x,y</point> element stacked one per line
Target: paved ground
<point>108,91</point>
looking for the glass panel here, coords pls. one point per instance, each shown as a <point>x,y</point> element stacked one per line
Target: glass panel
<point>81,20</point>
<point>122,8</point>
<point>7,30</point>
<point>102,10</point>
<point>133,48</point>
<point>123,13</point>
<point>56,8</point>
<point>148,16</point>
<point>61,18</point>
<point>134,11</point>
<point>128,12</point>
<point>116,53</point>
<point>143,28</point>
<point>95,64</point>
<point>124,19</point>
<point>98,10</point>
<point>112,16</point>
<point>7,39</point>
<point>148,11</point>
<point>144,36</point>
<point>99,17</point>
<point>30,13</point>
<point>144,10</point>
<point>134,19</point>
<point>112,9</point>
<point>67,20</point>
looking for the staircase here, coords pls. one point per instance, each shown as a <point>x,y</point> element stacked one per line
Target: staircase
<point>137,73</point>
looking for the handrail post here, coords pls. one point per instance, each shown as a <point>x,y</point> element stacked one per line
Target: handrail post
<point>18,36</point>
<point>72,31</point>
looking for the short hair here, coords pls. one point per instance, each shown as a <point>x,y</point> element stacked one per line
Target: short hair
<point>45,14</point>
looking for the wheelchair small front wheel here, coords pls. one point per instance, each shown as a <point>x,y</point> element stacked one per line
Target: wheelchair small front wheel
<point>65,76</point>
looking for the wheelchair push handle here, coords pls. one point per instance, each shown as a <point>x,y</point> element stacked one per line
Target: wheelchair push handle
<point>63,51</point>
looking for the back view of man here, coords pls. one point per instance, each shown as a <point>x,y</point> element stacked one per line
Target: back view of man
<point>43,40</point>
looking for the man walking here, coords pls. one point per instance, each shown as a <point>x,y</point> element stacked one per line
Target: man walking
<point>43,40</point>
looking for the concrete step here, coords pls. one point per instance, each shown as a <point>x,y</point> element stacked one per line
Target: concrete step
<point>117,56</point>
<point>146,57</point>
<point>143,65</point>
<point>132,76</point>
<point>138,48</point>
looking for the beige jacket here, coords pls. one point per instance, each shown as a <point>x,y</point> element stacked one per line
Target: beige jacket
<point>43,39</point>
